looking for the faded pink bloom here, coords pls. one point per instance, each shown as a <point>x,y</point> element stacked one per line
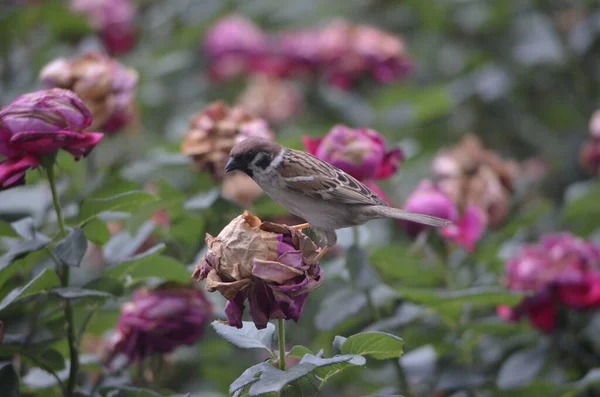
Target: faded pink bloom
<point>466,229</point>
<point>561,269</point>
<point>160,320</point>
<point>272,266</point>
<point>271,98</point>
<point>113,19</point>
<point>589,156</point>
<point>361,152</point>
<point>233,44</point>
<point>106,87</point>
<point>38,124</point>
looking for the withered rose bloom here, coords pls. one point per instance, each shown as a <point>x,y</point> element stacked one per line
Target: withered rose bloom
<point>159,320</point>
<point>348,51</point>
<point>272,266</point>
<point>473,175</point>
<point>38,124</point>
<point>215,130</point>
<point>589,157</point>
<point>271,98</point>
<point>106,87</point>
<point>241,189</point>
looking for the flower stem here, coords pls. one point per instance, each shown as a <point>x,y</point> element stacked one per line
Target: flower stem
<point>402,381</point>
<point>281,330</point>
<point>63,271</point>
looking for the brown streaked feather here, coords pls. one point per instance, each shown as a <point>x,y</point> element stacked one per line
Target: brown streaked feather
<point>326,181</point>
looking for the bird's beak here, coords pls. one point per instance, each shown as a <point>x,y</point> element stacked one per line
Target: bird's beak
<point>231,165</point>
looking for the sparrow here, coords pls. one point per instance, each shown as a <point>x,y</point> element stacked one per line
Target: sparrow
<point>312,189</point>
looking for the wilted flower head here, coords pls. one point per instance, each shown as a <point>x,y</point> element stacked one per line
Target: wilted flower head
<point>38,124</point>
<point>271,98</point>
<point>361,152</point>
<point>113,19</point>
<point>466,229</point>
<point>273,266</point>
<point>347,51</point>
<point>159,320</point>
<point>472,175</point>
<point>215,130</point>
<point>233,44</point>
<point>106,87</point>
<point>589,157</point>
<point>562,269</point>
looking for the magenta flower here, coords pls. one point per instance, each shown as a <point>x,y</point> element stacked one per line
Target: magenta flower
<point>272,266</point>
<point>160,320</point>
<point>38,124</point>
<point>561,269</point>
<point>113,19</point>
<point>360,152</point>
<point>429,199</point>
<point>234,44</point>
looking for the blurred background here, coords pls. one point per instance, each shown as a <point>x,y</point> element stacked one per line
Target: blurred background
<point>428,75</point>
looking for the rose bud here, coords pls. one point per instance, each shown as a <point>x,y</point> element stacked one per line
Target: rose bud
<point>272,266</point>
<point>159,320</point>
<point>113,19</point>
<point>38,124</point>
<point>361,152</point>
<point>562,269</point>
<point>589,157</point>
<point>472,175</point>
<point>106,87</point>
<point>213,133</point>
<point>233,44</point>
<point>465,230</point>
<point>271,98</point>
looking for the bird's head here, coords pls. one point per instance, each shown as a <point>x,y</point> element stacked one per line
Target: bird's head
<point>253,155</point>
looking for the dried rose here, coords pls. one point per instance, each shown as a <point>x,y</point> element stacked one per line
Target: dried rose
<point>272,266</point>
<point>271,98</point>
<point>215,130</point>
<point>106,87</point>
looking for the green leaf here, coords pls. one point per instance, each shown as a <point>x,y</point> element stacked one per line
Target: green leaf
<point>52,359</point>
<point>77,293</point>
<point>106,284</point>
<point>128,391</point>
<point>378,345</point>
<point>20,249</point>
<point>590,379</point>
<point>72,248</point>
<point>6,230</point>
<point>247,337</point>
<point>40,284</point>
<point>299,351</point>
<point>521,367</point>
<point>477,296</point>
<point>121,270</point>
<point>124,202</point>
<point>580,213</point>
<point>327,367</point>
<point>96,231</point>
<point>9,380</point>
<point>396,262</point>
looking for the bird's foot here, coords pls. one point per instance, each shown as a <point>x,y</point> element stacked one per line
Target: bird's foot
<point>301,226</point>
<point>322,253</point>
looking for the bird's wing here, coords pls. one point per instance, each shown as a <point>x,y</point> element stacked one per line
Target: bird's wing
<point>319,180</point>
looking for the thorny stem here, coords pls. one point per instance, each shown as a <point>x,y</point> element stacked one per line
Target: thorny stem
<point>281,330</point>
<point>63,271</point>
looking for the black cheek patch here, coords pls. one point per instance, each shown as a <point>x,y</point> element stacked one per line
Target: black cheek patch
<point>264,162</point>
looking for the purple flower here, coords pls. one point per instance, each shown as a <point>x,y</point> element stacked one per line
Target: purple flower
<point>41,123</point>
<point>272,266</point>
<point>360,152</point>
<point>114,20</point>
<point>233,44</point>
<point>160,320</point>
<point>562,269</point>
<point>106,87</point>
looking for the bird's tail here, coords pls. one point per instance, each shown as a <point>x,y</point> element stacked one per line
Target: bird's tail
<point>397,213</point>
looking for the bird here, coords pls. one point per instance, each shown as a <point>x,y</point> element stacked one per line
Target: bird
<point>314,190</point>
